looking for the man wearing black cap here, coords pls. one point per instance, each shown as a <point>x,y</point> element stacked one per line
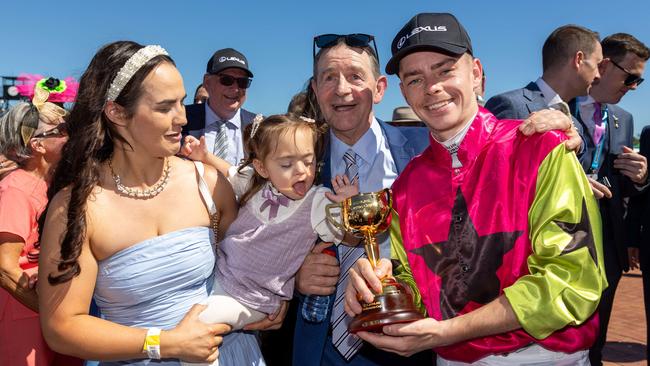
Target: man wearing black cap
<point>505,251</point>
<point>222,119</point>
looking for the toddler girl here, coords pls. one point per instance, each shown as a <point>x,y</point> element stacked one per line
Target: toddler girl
<point>282,213</point>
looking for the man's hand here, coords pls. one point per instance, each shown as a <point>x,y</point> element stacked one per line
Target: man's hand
<point>551,119</point>
<point>360,276</point>
<point>600,190</point>
<point>273,321</point>
<point>633,258</point>
<point>319,272</point>
<point>408,339</point>
<point>632,165</point>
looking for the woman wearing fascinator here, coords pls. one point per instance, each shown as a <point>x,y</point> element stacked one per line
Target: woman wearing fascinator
<point>59,92</point>
<point>132,226</point>
<point>31,137</point>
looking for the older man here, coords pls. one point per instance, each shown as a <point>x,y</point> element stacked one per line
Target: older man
<point>347,83</point>
<point>499,231</point>
<point>222,119</point>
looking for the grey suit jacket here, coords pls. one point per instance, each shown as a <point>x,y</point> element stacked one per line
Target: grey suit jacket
<point>518,103</point>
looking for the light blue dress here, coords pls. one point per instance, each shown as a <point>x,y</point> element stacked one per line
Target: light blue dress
<point>154,283</point>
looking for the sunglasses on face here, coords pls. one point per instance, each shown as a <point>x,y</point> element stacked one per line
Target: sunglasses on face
<point>58,131</point>
<point>227,80</point>
<point>631,79</point>
<point>359,40</point>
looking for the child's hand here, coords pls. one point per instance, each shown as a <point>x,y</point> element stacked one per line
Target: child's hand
<point>343,188</point>
<point>194,148</point>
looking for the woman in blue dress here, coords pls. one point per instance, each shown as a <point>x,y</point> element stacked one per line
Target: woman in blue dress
<point>128,224</point>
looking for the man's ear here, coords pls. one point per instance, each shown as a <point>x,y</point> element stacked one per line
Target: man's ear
<point>477,73</point>
<point>115,113</point>
<point>380,89</point>
<point>260,169</point>
<point>312,85</point>
<point>578,59</point>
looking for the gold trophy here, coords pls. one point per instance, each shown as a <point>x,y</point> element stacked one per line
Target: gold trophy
<point>367,215</point>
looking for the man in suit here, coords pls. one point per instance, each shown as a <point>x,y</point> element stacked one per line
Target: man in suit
<point>638,221</point>
<point>570,58</point>
<point>607,130</point>
<point>222,119</point>
<point>347,82</point>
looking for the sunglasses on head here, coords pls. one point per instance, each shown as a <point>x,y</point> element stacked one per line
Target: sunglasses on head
<point>631,79</point>
<point>58,131</point>
<point>353,40</point>
<point>227,80</point>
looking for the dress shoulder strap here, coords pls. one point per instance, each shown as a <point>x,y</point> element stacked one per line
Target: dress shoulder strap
<point>204,190</point>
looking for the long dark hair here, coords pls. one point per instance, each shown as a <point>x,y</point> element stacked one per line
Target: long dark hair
<point>91,142</point>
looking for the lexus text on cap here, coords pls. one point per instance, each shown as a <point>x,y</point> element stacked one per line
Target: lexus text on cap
<point>225,59</point>
<point>440,32</point>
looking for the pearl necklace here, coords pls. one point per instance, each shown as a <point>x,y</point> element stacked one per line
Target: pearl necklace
<point>140,193</point>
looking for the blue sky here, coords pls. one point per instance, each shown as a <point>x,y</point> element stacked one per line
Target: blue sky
<point>59,37</point>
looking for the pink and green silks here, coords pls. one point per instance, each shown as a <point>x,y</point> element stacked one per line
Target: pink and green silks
<point>517,219</point>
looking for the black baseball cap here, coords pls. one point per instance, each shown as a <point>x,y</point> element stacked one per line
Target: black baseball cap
<point>225,59</point>
<point>440,32</point>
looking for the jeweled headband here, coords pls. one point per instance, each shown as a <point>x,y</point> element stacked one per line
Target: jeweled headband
<point>132,65</point>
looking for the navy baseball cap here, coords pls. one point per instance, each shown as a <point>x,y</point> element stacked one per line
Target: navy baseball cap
<point>439,32</point>
<point>225,59</point>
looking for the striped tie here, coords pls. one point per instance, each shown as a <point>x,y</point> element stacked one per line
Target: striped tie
<point>347,344</point>
<point>351,168</point>
<point>220,148</point>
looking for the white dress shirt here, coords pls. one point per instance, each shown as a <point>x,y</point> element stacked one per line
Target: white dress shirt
<point>377,169</point>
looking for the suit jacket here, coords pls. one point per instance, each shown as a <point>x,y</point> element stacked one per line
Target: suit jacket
<point>620,127</point>
<point>518,103</point>
<point>310,338</point>
<point>195,114</point>
<point>638,218</point>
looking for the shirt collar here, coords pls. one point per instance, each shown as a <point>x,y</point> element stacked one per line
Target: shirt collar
<point>458,137</point>
<point>211,117</point>
<point>549,95</point>
<point>366,148</point>
<point>585,100</point>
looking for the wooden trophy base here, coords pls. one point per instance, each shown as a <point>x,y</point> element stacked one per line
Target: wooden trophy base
<point>394,305</point>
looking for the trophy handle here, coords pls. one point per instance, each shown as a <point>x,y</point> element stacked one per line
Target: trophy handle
<point>330,218</point>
